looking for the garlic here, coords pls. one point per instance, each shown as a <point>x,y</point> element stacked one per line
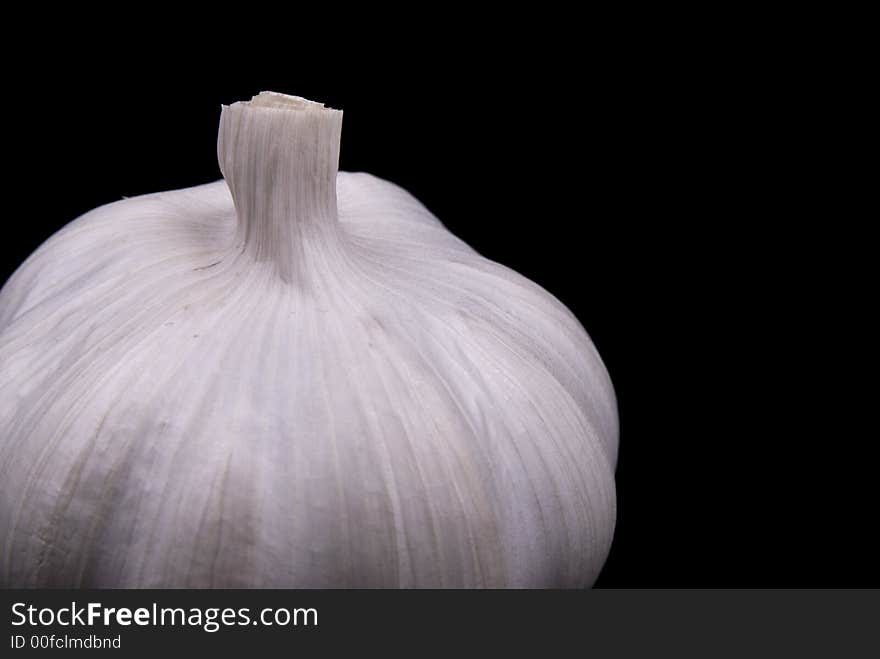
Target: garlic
<point>293,378</point>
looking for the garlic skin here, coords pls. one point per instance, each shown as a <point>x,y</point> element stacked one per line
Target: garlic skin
<point>294,378</point>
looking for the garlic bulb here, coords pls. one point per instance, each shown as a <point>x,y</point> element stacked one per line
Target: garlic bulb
<point>293,378</point>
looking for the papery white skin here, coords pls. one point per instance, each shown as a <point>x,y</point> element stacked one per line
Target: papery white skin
<point>318,386</point>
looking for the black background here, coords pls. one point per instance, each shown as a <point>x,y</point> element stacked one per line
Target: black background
<point>663,187</point>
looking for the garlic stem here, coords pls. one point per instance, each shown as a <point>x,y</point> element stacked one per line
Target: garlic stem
<point>279,155</point>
